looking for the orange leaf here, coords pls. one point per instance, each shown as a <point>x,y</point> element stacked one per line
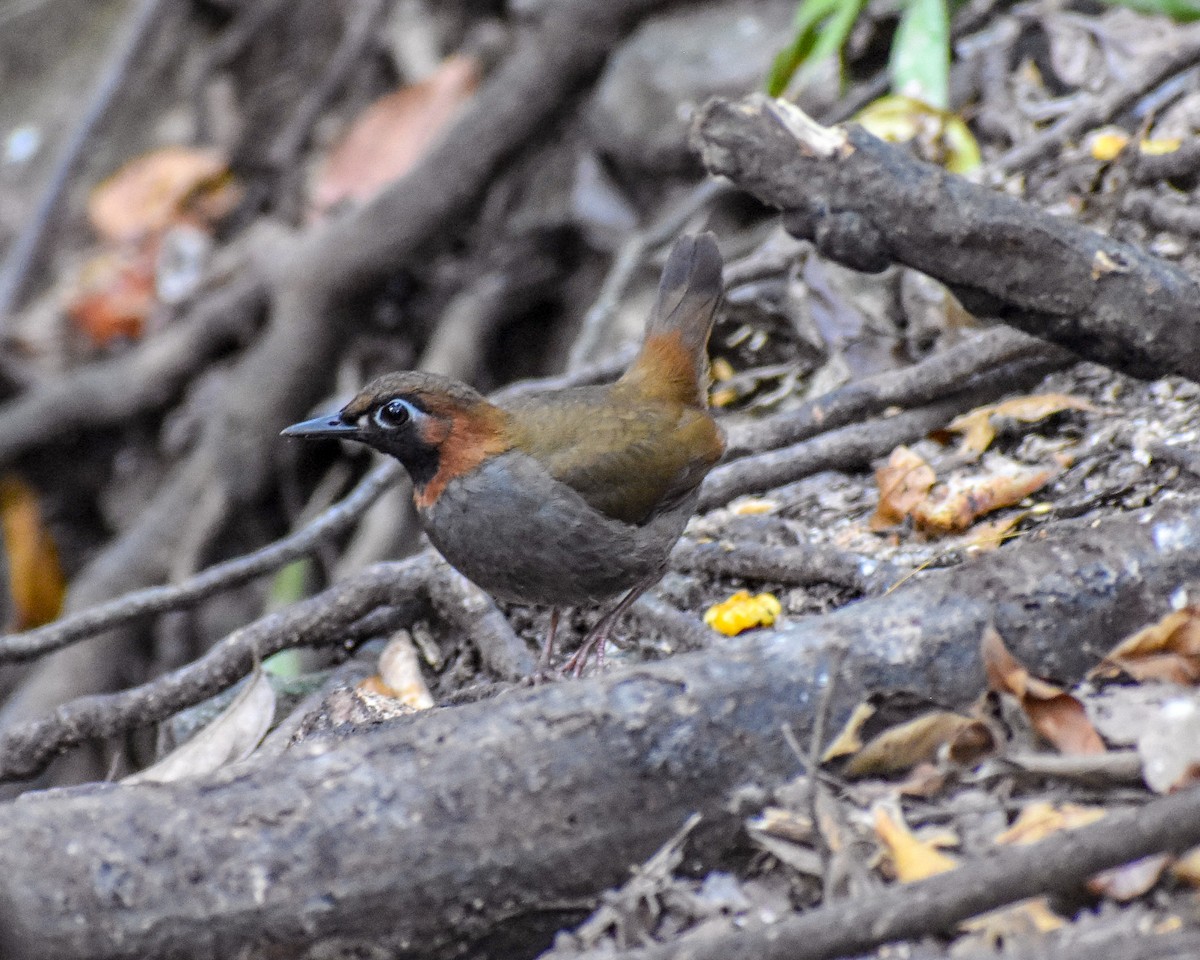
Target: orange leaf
<point>977,427</point>
<point>391,135</point>
<point>904,483</point>
<point>35,579</point>
<point>1054,713</point>
<point>912,858</point>
<point>114,294</point>
<point>150,192</point>
<point>1167,650</point>
<point>954,506</point>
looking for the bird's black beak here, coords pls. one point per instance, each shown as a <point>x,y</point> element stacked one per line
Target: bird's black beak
<point>331,427</point>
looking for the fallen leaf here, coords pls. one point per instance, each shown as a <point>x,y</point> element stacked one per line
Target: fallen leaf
<point>1107,143</point>
<point>400,674</point>
<point>1186,868</point>
<point>953,506</point>
<point>114,294</point>
<point>1059,717</point>
<point>921,739</point>
<point>1020,920</point>
<point>911,858</point>
<point>1130,880</point>
<point>743,612</point>
<point>753,506</point>
<point>787,836</point>
<point>986,537</point>
<point>849,738</point>
<point>979,429</point>
<point>390,136</point>
<point>35,579</point>
<point>1167,650</point>
<point>153,191</point>
<point>904,483</point>
<point>232,736</point>
<point>1040,819</point>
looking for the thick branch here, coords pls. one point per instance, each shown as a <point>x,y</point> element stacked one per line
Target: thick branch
<point>867,204</point>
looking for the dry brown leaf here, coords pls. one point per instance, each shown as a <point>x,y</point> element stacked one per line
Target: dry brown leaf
<point>904,483</point>
<point>1186,867</point>
<point>35,579</point>
<point>1167,650</point>
<point>114,294</point>
<point>400,675</point>
<point>904,746</point>
<point>391,135</point>
<point>977,425</point>
<point>911,858</point>
<point>1023,919</point>
<point>1041,819</point>
<point>953,506</point>
<point>1059,717</point>
<point>849,738</point>
<point>153,191</point>
<point>988,536</point>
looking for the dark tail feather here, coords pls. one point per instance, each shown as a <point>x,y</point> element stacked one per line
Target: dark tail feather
<point>688,295</point>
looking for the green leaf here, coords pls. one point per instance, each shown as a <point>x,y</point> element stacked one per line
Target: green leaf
<point>820,29</point>
<point>920,60</point>
<point>1182,10</point>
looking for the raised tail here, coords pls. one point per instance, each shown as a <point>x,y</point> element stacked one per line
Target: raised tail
<point>673,361</point>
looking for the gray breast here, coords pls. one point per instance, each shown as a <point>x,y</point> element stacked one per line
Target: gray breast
<point>521,535</point>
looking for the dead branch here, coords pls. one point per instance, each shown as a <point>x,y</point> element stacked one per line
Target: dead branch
<point>1061,863</point>
<point>931,379</point>
<point>224,576</point>
<point>808,563</point>
<point>868,204</point>
<point>849,448</point>
<point>437,831</point>
<point>328,618</point>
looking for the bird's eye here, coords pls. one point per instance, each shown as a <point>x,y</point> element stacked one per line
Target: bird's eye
<point>393,414</point>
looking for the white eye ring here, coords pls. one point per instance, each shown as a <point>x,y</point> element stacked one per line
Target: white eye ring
<point>393,414</point>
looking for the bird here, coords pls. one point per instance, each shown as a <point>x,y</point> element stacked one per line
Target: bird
<point>567,498</point>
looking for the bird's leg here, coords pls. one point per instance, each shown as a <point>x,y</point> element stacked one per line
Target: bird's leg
<point>598,636</point>
<point>548,646</point>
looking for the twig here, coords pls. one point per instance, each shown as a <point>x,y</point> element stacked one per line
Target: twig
<point>798,565</point>
<point>224,576</point>
<point>625,266</point>
<point>931,379</point>
<point>849,448</point>
<point>1176,165</point>
<point>466,606</point>
<point>26,748</point>
<point>685,630</point>
<point>1098,110</point>
<point>27,247</point>
<point>1060,864</point>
